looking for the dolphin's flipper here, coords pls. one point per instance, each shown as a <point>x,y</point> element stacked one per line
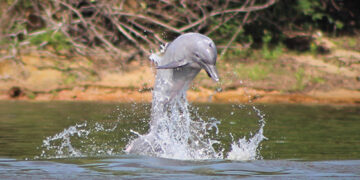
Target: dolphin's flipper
<point>173,65</point>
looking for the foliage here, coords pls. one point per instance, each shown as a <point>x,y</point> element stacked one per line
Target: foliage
<point>124,29</point>
<point>253,72</point>
<point>317,80</point>
<point>30,95</point>
<point>270,54</point>
<point>289,19</point>
<point>313,48</point>
<point>317,12</point>
<point>299,76</point>
<point>238,53</point>
<point>55,39</point>
<point>69,79</point>
<point>352,43</point>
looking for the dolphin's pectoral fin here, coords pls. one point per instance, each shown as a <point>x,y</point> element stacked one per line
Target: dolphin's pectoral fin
<point>173,65</point>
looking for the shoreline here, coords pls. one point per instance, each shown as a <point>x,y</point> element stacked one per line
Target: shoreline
<point>240,95</point>
<point>332,78</point>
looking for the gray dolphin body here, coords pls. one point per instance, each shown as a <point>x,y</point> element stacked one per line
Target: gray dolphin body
<point>177,67</point>
<point>182,61</point>
<point>191,51</point>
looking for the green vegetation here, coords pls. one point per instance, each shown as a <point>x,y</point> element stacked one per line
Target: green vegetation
<point>55,39</point>
<point>31,95</point>
<point>260,45</point>
<point>238,53</point>
<point>352,43</point>
<point>318,80</point>
<point>267,29</point>
<point>313,48</point>
<point>299,76</point>
<point>70,79</point>
<point>347,42</point>
<point>253,72</point>
<point>270,54</point>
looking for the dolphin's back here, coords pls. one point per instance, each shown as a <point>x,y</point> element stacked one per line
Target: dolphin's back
<point>180,48</point>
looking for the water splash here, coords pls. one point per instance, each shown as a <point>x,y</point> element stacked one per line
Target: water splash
<point>182,136</point>
<point>244,149</point>
<point>175,134</point>
<point>61,144</point>
<point>185,133</point>
<point>81,140</point>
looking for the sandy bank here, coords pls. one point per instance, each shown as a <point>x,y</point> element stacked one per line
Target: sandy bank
<point>240,95</point>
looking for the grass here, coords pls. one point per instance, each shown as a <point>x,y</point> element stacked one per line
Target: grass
<point>69,79</point>
<point>313,48</point>
<point>53,38</point>
<point>30,95</point>
<point>347,42</point>
<point>299,76</point>
<point>254,72</point>
<point>317,80</point>
<point>238,54</point>
<point>270,53</point>
<point>352,42</point>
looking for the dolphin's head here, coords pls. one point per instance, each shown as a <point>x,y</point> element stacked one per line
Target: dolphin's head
<point>203,55</point>
<point>193,50</point>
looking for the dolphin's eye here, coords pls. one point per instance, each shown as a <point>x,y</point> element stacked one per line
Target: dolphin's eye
<point>197,55</point>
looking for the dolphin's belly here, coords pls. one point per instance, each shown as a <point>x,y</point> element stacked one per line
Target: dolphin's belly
<point>173,82</point>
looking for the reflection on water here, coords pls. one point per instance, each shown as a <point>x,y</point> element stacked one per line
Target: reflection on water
<point>312,133</point>
<point>147,167</point>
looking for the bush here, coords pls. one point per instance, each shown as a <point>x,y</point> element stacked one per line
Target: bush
<point>55,39</point>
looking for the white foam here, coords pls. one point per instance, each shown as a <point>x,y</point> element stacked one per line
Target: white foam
<point>78,141</point>
<point>174,134</point>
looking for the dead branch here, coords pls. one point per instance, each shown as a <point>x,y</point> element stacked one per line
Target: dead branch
<point>240,27</point>
<point>120,30</point>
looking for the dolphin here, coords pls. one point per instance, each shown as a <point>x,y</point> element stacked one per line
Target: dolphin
<point>191,50</point>
<point>182,61</point>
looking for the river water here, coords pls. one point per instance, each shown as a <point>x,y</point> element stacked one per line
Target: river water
<point>86,140</point>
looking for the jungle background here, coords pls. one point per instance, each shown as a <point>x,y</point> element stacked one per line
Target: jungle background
<point>299,51</point>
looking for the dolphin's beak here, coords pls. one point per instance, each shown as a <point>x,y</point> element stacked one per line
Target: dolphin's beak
<point>211,71</point>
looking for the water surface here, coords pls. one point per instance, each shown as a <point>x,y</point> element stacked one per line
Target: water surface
<point>303,141</point>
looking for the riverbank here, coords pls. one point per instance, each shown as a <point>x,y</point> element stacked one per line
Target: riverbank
<point>136,86</point>
<point>290,77</point>
<point>241,95</point>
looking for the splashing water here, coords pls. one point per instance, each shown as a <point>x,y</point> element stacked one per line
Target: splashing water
<point>176,135</point>
<point>183,133</point>
<point>249,149</point>
<point>182,136</point>
<point>64,148</point>
<point>78,141</point>
<point>175,132</point>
